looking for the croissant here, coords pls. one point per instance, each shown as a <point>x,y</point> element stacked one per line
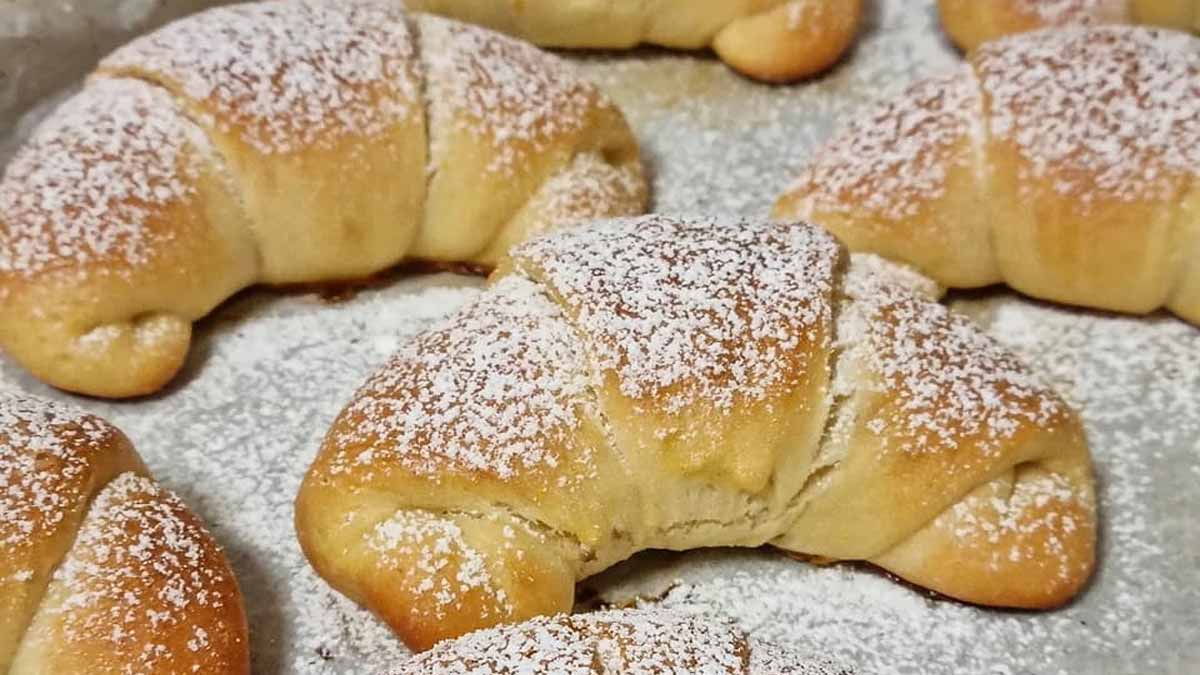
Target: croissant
<point>1063,163</point>
<point>103,571</point>
<point>674,384</point>
<point>283,142</point>
<point>615,642</point>
<point>773,40</point>
<point>970,23</point>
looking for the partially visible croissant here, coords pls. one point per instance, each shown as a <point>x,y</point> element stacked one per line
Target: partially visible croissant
<point>615,642</point>
<point>774,40</point>
<point>971,23</point>
<point>674,384</point>
<point>283,142</point>
<point>103,572</point>
<point>1065,163</point>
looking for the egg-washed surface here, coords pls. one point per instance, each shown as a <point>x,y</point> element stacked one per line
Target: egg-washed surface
<point>235,436</point>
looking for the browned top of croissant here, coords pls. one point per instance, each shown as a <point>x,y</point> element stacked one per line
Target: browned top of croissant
<point>284,142</point>
<point>1104,113</point>
<point>675,383</point>
<point>103,570</point>
<point>615,642</point>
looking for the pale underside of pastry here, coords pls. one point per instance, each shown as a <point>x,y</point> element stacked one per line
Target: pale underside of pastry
<point>773,40</point>
<point>676,384</point>
<point>284,142</point>
<point>1064,163</point>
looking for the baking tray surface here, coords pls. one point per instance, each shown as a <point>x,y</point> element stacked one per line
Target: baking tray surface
<point>269,371</point>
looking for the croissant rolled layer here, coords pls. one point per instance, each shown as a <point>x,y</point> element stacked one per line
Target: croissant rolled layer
<point>1064,163</point>
<point>292,141</point>
<point>104,572</point>
<point>675,384</point>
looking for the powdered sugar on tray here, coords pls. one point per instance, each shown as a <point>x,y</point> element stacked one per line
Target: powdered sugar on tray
<point>270,372</point>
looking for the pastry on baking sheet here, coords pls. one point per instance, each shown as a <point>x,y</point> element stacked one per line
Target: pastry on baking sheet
<point>774,40</point>
<point>616,642</point>
<point>284,142</point>
<point>1065,163</point>
<point>682,383</point>
<point>103,571</point>
<point>970,23</point>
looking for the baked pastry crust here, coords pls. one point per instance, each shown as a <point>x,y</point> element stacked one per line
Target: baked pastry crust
<point>103,570</point>
<point>676,384</point>
<point>1064,163</point>
<point>771,40</point>
<point>970,23</point>
<point>284,142</point>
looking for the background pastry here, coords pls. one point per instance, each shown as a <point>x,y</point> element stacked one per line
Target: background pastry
<point>283,142</point>
<point>775,40</point>
<point>973,22</point>
<point>103,572</point>
<point>1064,163</point>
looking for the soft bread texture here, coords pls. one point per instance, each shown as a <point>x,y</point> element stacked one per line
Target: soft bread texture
<point>646,641</point>
<point>675,384</point>
<point>1065,163</point>
<point>103,571</point>
<point>970,23</point>
<point>772,40</point>
<point>284,142</point>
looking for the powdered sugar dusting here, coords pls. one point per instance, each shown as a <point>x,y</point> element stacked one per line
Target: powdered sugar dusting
<point>632,642</point>
<point>497,389</point>
<point>1059,12</point>
<point>1136,382</point>
<point>951,381</point>
<point>273,370</point>
<point>1101,113</point>
<point>502,91</point>
<point>35,434</point>
<point>141,571</point>
<point>895,156</point>
<point>684,311</point>
<point>288,75</point>
<point>82,191</point>
<point>1031,522</point>
<point>437,546</point>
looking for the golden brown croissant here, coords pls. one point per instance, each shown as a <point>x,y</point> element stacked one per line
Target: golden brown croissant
<point>675,384</point>
<point>774,40</point>
<point>283,142</point>
<point>973,22</point>
<point>103,572</point>
<point>1064,163</point>
<point>615,642</point>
